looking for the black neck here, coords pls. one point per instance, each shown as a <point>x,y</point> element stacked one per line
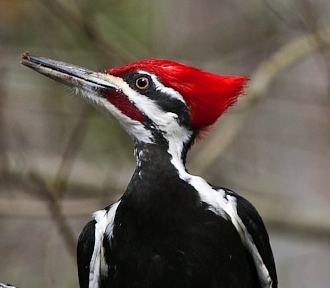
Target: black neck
<point>155,179</point>
<point>153,160</point>
<point>147,152</point>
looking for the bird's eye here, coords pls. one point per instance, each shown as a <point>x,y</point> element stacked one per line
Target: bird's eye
<point>142,82</point>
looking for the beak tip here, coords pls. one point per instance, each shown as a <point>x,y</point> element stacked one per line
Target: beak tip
<point>26,55</point>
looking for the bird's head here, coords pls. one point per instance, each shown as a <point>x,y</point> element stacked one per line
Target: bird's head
<point>155,100</point>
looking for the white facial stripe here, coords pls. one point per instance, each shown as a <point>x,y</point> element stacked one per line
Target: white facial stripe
<point>133,127</point>
<point>165,122</point>
<point>160,87</point>
<point>175,134</point>
<point>143,103</point>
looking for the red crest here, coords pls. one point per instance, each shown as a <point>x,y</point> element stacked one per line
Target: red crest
<point>207,95</point>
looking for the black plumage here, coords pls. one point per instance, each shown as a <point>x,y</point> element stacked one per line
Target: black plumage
<point>170,228</point>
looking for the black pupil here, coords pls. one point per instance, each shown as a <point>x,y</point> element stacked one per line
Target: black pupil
<point>142,82</point>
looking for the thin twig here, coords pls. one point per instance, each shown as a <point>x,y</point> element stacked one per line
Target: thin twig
<point>4,162</point>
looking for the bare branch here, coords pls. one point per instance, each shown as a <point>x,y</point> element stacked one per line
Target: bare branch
<point>33,184</point>
<point>260,82</point>
<point>4,162</point>
<point>57,215</point>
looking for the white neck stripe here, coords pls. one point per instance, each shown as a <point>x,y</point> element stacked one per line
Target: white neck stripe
<point>222,204</point>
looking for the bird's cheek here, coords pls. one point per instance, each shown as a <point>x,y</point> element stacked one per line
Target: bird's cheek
<point>121,102</point>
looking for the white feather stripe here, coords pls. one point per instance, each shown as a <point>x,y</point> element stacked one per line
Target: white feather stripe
<point>97,259</point>
<point>111,219</point>
<point>247,240</point>
<point>104,224</point>
<point>223,205</point>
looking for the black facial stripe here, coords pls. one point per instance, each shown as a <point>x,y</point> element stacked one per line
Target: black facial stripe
<point>157,134</point>
<point>175,106</point>
<point>166,102</point>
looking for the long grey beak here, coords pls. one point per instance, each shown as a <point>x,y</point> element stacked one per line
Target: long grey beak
<point>68,74</point>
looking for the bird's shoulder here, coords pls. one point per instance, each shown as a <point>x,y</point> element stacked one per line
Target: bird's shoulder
<point>85,248</point>
<point>90,245</point>
<point>253,234</point>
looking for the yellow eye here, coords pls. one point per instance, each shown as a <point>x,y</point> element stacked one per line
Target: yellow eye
<point>142,83</point>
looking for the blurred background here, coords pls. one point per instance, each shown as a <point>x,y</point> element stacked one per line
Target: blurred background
<point>60,160</point>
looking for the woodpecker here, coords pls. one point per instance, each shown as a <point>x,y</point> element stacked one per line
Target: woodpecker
<point>169,228</point>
